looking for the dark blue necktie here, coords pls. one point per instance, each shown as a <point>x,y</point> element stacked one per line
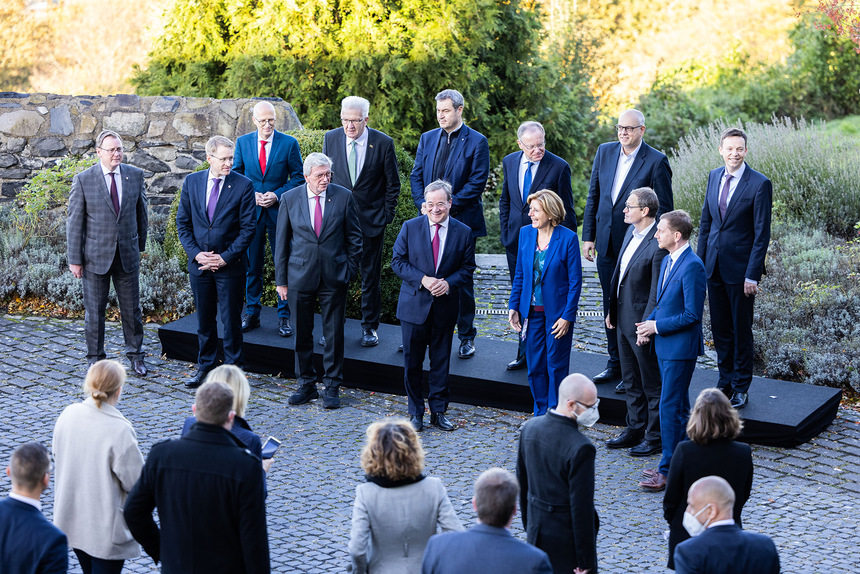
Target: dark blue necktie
<point>527,181</point>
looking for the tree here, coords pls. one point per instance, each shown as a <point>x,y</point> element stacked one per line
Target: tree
<point>844,19</point>
<point>26,34</point>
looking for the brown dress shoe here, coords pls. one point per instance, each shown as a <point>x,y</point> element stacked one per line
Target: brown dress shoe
<point>655,484</point>
<point>649,472</point>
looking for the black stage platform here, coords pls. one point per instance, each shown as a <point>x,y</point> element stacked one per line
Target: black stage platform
<point>780,413</point>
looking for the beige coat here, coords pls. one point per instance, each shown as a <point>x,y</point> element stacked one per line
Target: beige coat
<point>97,461</point>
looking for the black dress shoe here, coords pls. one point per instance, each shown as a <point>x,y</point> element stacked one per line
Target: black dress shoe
<point>727,390</point>
<point>322,341</point>
<point>518,363</point>
<point>139,367</point>
<point>370,338</point>
<point>646,448</point>
<point>626,439</point>
<point>417,422</point>
<point>606,376</point>
<point>619,388</point>
<point>467,349</point>
<point>284,327</point>
<point>249,322</point>
<point>306,392</point>
<point>331,398</point>
<point>740,400</point>
<point>441,421</point>
<point>197,380</point>
<point>400,348</point>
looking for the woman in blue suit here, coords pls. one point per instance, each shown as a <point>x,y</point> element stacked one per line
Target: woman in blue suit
<point>547,283</point>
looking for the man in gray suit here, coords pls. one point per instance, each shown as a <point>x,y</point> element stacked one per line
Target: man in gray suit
<point>318,253</point>
<point>106,232</point>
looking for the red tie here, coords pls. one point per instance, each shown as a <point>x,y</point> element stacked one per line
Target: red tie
<point>435,244</point>
<point>114,195</point>
<point>263,157</point>
<point>318,217</point>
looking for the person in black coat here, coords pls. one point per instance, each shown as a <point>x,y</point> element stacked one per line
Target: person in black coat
<point>711,450</point>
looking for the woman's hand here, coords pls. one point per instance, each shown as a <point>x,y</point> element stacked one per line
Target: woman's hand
<point>514,320</point>
<point>560,328</point>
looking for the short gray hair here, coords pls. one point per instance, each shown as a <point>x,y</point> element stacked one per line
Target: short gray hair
<point>528,127</point>
<point>453,95</point>
<point>639,117</point>
<point>316,159</point>
<point>646,197</point>
<point>107,134</point>
<point>218,141</point>
<point>355,103</point>
<point>437,185</point>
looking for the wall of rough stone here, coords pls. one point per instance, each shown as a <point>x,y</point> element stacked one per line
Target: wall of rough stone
<point>163,135</point>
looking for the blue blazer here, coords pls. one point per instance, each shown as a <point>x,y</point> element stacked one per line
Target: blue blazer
<point>467,171</point>
<point>232,226</point>
<point>679,308</point>
<point>727,550</point>
<point>561,282</point>
<point>413,259</point>
<point>552,173</point>
<point>29,544</point>
<point>483,548</point>
<point>283,168</point>
<point>740,240</point>
<point>603,221</point>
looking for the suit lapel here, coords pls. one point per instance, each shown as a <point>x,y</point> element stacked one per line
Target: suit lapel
<point>457,147</point>
<point>327,212</point>
<point>638,162</point>
<point>642,246</point>
<point>274,150</point>
<point>304,209</point>
<point>662,284</point>
<point>338,154</point>
<point>739,192</point>
<point>551,250</point>
<point>540,174</point>
<point>368,155</point>
<point>517,192</point>
<point>101,184</point>
<point>223,194</point>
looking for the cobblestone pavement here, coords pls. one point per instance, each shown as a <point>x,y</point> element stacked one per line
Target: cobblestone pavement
<point>805,498</point>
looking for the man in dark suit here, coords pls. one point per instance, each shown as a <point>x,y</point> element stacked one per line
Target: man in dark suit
<point>733,239</point>
<point>619,167</point>
<point>365,163</point>
<point>319,248</point>
<point>675,326</point>
<point>461,156</point>
<point>718,545</point>
<point>29,544</point>
<point>632,297</point>
<point>488,546</point>
<point>532,169</point>
<point>209,492</point>
<point>106,233</point>
<point>555,467</point>
<point>273,163</point>
<point>434,255</point>
<point>215,224</point>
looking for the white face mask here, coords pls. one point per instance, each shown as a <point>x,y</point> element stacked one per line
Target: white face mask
<point>589,416</point>
<point>692,524</point>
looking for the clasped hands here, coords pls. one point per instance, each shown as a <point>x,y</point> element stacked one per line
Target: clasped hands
<point>209,261</point>
<point>644,331</point>
<point>436,286</point>
<point>267,199</point>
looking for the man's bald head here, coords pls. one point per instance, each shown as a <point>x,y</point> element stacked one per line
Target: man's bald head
<point>575,388</point>
<point>713,490</point>
<point>262,107</point>
<point>264,119</point>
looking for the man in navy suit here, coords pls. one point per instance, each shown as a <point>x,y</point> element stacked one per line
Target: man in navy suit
<point>675,325</point>
<point>215,224</point>
<point>619,168</point>
<point>718,545</point>
<point>365,163</point>
<point>273,163</point>
<point>733,240</point>
<point>488,546</point>
<point>29,544</point>
<point>461,156</point>
<point>525,171</point>
<point>434,255</point>
<point>319,248</point>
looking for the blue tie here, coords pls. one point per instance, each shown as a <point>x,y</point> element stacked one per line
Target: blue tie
<point>527,181</point>
<point>666,274</point>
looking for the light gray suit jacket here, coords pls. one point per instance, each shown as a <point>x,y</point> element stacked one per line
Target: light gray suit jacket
<point>94,230</point>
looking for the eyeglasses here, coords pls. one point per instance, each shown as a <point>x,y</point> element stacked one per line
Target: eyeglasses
<point>627,129</point>
<point>322,176</point>
<point>541,145</point>
<point>357,122</point>
<point>265,122</point>
<point>628,206</point>
<point>112,151</point>
<point>597,402</point>
<point>440,205</point>
<point>222,159</point>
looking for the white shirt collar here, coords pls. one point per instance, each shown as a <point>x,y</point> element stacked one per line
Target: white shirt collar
<point>360,140</point>
<point>626,157</point>
<point>262,139</point>
<point>726,522</point>
<point>737,175</point>
<point>442,224</point>
<point>679,252</point>
<point>27,500</point>
<point>645,231</point>
<point>312,195</point>
<point>106,171</point>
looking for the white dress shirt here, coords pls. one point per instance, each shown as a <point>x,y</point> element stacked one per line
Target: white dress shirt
<point>209,181</point>
<point>674,257</point>
<point>268,147</point>
<point>733,185</point>
<point>27,500</point>
<point>106,172</point>
<point>443,235</point>
<point>360,152</point>
<point>312,205</point>
<point>524,164</point>
<point>634,244</point>
<point>622,169</point>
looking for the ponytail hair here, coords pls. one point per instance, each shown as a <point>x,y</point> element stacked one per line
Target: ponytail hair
<point>104,379</point>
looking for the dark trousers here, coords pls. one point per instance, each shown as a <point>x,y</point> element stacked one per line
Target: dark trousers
<point>642,384</point>
<point>92,565</point>
<point>96,288</point>
<point>254,276</point>
<point>731,325</point>
<point>605,269</point>
<point>332,302</point>
<point>371,270</point>
<point>511,253</point>
<point>417,337</point>
<point>674,405</point>
<point>466,320</point>
<point>218,293</point>
<point>548,360</point>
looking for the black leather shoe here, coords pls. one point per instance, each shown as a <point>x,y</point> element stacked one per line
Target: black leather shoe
<point>284,327</point>
<point>417,422</point>
<point>606,376</point>
<point>370,338</point>
<point>322,341</point>
<point>646,448</point>
<point>441,421</point>
<point>518,363</point>
<point>400,348</point>
<point>139,367</point>
<point>331,400</point>
<point>619,388</point>
<point>249,322</point>
<point>626,439</point>
<point>307,392</point>
<point>197,380</point>
<point>467,349</point>
<point>727,390</point>
<point>740,400</point>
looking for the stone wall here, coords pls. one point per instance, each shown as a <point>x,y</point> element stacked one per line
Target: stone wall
<point>163,135</point>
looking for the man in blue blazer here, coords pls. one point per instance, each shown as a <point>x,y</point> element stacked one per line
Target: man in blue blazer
<point>733,240</point>
<point>719,545</point>
<point>273,163</point>
<point>434,255</point>
<point>29,544</point>
<point>619,168</point>
<point>675,325</point>
<point>215,224</point>
<point>461,156</point>
<point>488,546</point>
<point>526,171</point>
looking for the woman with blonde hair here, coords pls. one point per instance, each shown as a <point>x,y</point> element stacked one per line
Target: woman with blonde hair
<point>97,461</point>
<point>398,509</point>
<point>712,450</point>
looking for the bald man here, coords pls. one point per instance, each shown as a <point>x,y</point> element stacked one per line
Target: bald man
<point>555,467</point>
<point>718,545</point>
<point>273,163</point>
